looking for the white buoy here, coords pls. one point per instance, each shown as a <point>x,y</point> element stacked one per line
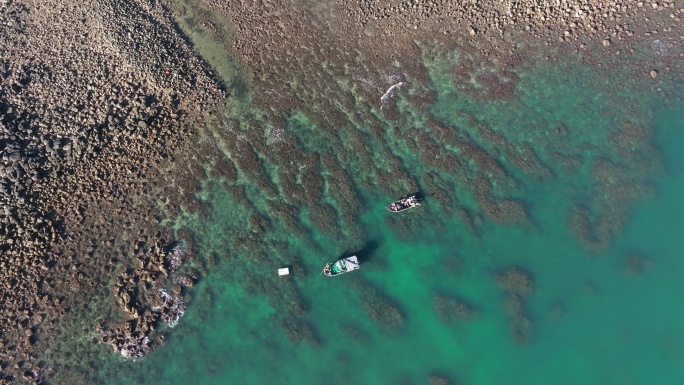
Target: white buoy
<point>284,271</point>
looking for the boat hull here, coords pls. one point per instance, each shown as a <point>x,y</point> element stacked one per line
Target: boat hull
<point>403,204</point>
<point>341,266</point>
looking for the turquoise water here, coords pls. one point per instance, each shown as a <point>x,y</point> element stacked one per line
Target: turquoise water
<point>501,178</point>
<point>593,322</point>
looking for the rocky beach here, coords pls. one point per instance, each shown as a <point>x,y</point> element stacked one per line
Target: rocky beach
<point>119,117</point>
<point>96,98</point>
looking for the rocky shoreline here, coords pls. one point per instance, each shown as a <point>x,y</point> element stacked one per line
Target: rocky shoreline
<point>143,294</point>
<point>98,99</point>
<point>94,97</point>
<point>390,31</point>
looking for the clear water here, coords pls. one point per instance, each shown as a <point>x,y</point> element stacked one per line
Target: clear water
<point>593,322</point>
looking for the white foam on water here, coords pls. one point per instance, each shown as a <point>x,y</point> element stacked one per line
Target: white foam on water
<point>274,134</point>
<point>175,305</point>
<point>390,93</point>
<point>131,354</point>
<point>175,257</point>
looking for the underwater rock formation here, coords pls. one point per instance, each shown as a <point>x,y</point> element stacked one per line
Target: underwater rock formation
<point>516,280</point>
<point>381,309</point>
<point>450,309</point>
<point>635,264</point>
<point>517,284</point>
<point>520,322</point>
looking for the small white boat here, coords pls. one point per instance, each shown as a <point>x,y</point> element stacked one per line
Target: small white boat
<point>405,203</point>
<point>341,266</point>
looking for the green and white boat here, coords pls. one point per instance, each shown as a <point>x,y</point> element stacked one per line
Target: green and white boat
<point>341,266</point>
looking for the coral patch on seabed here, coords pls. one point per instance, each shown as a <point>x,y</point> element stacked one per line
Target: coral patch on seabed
<point>520,323</point>
<point>380,308</point>
<point>517,284</point>
<point>450,309</point>
<point>515,280</point>
<point>635,264</point>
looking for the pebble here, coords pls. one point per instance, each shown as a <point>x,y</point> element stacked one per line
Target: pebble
<point>654,74</point>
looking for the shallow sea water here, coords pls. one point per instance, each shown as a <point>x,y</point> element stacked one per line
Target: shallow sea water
<point>593,323</point>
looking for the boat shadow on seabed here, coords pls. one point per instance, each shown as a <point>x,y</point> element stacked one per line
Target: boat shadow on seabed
<point>365,254</point>
<point>350,261</point>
